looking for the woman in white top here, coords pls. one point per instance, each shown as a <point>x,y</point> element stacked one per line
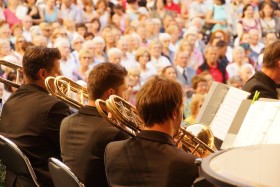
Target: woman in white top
<point>102,12</point>
<point>238,60</point>
<point>143,56</point>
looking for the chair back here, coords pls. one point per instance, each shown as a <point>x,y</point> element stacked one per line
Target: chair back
<point>62,175</point>
<point>15,161</point>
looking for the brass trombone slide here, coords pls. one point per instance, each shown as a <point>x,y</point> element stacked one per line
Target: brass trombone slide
<point>197,139</point>
<point>63,88</point>
<point>16,68</point>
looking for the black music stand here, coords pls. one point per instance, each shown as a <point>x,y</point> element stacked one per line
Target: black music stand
<point>62,175</point>
<point>16,162</point>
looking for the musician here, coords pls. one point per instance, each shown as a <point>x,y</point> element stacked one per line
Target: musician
<point>151,158</point>
<point>265,81</point>
<point>31,117</point>
<point>85,135</point>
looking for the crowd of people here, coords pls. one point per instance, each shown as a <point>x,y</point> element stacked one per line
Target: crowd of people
<point>219,41</point>
<point>114,48</point>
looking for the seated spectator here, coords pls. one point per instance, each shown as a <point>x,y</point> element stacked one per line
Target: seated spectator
<point>239,59</point>
<point>115,55</point>
<point>246,72</point>
<point>143,56</point>
<point>85,58</point>
<point>99,46</point>
<point>67,62</point>
<point>235,81</point>
<point>195,105</point>
<point>212,65</point>
<point>157,60</point>
<point>34,12</point>
<point>50,12</point>
<point>169,71</point>
<point>10,12</point>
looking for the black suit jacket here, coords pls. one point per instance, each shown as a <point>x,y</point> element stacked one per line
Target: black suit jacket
<point>262,83</point>
<point>83,139</point>
<point>150,159</point>
<point>31,119</point>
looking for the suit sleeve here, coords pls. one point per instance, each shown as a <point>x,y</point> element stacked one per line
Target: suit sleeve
<point>56,114</point>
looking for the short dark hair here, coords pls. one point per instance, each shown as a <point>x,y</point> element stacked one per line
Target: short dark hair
<point>271,55</point>
<point>103,77</point>
<point>11,77</point>
<point>38,57</point>
<point>158,98</point>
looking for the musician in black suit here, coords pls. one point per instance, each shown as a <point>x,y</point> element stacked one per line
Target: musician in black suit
<point>85,135</point>
<point>151,158</point>
<point>266,80</point>
<point>31,117</point>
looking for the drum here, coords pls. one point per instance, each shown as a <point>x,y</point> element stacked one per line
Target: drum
<point>245,166</point>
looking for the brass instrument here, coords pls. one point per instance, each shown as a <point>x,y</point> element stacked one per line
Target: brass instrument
<point>121,114</point>
<point>196,139</point>
<point>16,68</point>
<point>65,89</point>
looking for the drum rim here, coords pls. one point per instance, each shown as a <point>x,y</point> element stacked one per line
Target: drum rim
<point>215,178</point>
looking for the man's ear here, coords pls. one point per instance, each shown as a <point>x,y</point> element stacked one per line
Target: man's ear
<point>109,92</point>
<point>42,74</point>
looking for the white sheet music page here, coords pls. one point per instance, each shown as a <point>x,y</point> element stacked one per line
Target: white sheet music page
<point>226,113</point>
<point>261,125</point>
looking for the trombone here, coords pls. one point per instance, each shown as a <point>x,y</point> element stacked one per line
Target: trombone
<point>196,139</point>
<point>16,68</point>
<point>65,89</point>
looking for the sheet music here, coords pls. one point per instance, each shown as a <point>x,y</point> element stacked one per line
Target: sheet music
<point>226,113</point>
<point>261,125</point>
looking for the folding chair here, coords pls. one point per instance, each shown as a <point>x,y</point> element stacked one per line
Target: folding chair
<point>62,175</point>
<point>15,161</point>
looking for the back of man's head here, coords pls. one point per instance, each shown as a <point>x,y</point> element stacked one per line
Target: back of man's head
<point>271,55</point>
<point>103,77</point>
<point>36,58</point>
<point>158,99</point>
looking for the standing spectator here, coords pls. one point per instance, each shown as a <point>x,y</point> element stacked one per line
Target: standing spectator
<point>212,65</point>
<point>70,11</point>
<point>51,12</point>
